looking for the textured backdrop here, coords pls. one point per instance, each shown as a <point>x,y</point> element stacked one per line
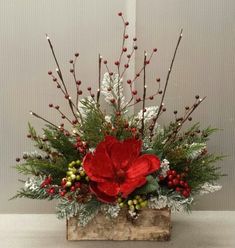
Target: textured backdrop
<point>204,65</point>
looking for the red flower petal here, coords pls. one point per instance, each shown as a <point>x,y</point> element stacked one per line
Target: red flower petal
<point>101,196</point>
<point>123,153</point>
<point>143,166</point>
<point>155,162</point>
<point>109,188</point>
<point>130,185</point>
<point>98,166</point>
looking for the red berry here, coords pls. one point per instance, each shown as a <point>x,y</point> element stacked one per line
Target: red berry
<point>155,49</point>
<point>70,61</point>
<point>129,81</point>
<point>126,23</point>
<point>63,181</point>
<point>89,88</point>
<point>134,39</point>
<point>178,176</point>
<point>168,172</point>
<point>151,97</point>
<point>161,177</point>
<point>170,177</point>
<point>92,95</point>
<point>126,125</point>
<point>124,49</point>
<point>185,194</point>
<point>116,63</point>
<point>133,130</point>
<point>138,99</point>
<point>49,72</point>
<point>105,62</point>
<point>158,79</point>
<point>17,159</point>
<point>79,92</point>
<point>71,70</point>
<point>182,183</point>
<point>112,100</point>
<point>175,181</point>
<point>173,172</point>
<point>78,82</point>
<point>178,189</point>
<point>77,184</point>
<point>51,191</point>
<point>57,107</point>
<point>126,65</point>
<point>66,96</point>
<point>76,54</point>
<point>134,92</point>
<point>135,47</point>
<point>120,13</point>
<point>128,56</point>
<point>147,62</point>
<point>50,105</point>
<point>72,188</point>
<point>170,184</point>
<point>111,74</point>
<point>186,185</point>
<point>62,193</point>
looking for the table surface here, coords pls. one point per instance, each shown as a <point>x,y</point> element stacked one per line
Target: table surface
<point>199,229</point>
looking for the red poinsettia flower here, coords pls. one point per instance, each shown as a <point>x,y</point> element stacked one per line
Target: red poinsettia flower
<point>117,167</point>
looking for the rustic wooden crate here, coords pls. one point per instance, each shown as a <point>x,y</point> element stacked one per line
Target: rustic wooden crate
<point>152,224</point>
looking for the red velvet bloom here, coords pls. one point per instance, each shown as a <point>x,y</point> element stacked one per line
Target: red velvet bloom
<point>117,167</point>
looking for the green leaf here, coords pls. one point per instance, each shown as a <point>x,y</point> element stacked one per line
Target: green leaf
<point>150,186</point>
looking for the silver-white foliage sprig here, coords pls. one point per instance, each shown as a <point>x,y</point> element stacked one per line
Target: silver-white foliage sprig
<point>110,211</point>
<point>174,201</point>
<point>112,89</point>
<point>207,188</point>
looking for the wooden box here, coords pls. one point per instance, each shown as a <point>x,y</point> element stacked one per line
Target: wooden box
<point>152,224</point>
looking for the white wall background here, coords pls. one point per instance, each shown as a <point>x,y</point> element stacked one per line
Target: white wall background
<point>204,65</point>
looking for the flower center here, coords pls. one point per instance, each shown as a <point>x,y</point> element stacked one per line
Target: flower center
<point>120,176</point>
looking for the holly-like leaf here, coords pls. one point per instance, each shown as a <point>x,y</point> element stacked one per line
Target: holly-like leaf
<point>150,186</point>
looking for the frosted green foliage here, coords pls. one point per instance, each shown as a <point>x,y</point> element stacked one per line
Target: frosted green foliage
<point>32,189</point>
<point>194,150</point>
<point>207,188</point>
<point>112,82</point>
<point>173,200</point>
<point>110,211</point>
<point>84,212</point>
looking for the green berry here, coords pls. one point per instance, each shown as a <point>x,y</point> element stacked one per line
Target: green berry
<point>137,197</point>
<point>69,173</point>
<point>82,173</point>
<point>78,162</point>
<point>121,204</point>
<point>144,204</point>
<point>119,200</point>
<point>68,184</point>
<point>78,177</point>
<point>68,179</point>
<point>135,201</point>
<point>132,208</point>
<point>130,202</point>
<point>87,178</point>
<point>137,207</point>
<point>73,176</point>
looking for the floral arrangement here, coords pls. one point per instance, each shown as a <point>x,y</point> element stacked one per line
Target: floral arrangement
<point>108,159</point>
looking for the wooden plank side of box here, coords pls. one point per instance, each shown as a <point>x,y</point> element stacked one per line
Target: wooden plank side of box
<point>152,224</point>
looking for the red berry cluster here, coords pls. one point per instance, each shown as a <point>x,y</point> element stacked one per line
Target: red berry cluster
<point>175,181</point>
<point>47,181</point>
<point>73,188</point>
<point>80,145</point>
